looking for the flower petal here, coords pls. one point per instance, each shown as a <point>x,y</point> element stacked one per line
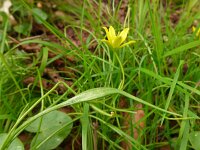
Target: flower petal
<point>123,34</point>
<point>112,32</point>
<point>107,33</point>
<point>106,41</point>
<point>198,32</point>
<point>193,29</point>
<point>117,42</point>
<point>130,42</point>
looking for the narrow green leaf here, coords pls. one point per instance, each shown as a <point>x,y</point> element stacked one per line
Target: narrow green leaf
<point>184,127</point>
<point>184,140</point>
<point>182,48</point>
<point>185,115</point>
<point>168,80</point>
<point>85,126</point>
<point>44,59</point>
<point>172,88</point>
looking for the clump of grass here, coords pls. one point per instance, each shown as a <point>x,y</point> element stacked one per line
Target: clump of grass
<point>161,71</point>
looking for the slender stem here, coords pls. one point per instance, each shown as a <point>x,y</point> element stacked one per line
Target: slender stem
<point>122,71</point>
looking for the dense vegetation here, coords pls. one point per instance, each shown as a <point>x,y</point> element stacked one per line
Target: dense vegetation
<point>68,82</point>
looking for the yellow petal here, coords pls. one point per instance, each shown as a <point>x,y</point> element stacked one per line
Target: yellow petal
<point>107,33</point>
<point>123,34</point>
<point>117,42</point>
<point>130,42</point>
<point>198,32</point>
<point>112,32</point>
<point>193,29</point>
<point>106,41</point>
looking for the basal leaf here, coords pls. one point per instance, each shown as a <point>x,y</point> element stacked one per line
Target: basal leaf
<point>52,129</point>
<point>15,145</point>
<point>194,139</point>
<point>39,14</point>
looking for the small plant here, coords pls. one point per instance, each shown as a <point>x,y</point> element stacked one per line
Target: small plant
<point>116,42</point>
<point>66,89</point>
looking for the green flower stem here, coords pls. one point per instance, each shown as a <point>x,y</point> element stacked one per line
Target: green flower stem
<point>122,81</point>
<point>122,71</point>
<point>114,57</point>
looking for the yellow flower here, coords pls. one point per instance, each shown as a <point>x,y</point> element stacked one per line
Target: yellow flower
<point>112,114</point>
<point>197,32</point>
<point>114,40</point>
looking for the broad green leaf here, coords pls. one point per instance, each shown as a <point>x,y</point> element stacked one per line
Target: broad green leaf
<point>194,139</point>
<point>15,145</point>
<point>52,129</point>
<point>41,14</point>
<point>23,28</point>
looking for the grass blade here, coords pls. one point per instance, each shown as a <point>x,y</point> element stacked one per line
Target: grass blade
<point>172,88</point>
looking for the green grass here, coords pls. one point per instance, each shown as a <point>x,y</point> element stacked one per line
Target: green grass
<point>161,71</point>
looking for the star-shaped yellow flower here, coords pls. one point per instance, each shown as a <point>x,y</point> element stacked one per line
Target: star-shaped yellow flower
<point>115,41</point>
<point>197,32</point>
